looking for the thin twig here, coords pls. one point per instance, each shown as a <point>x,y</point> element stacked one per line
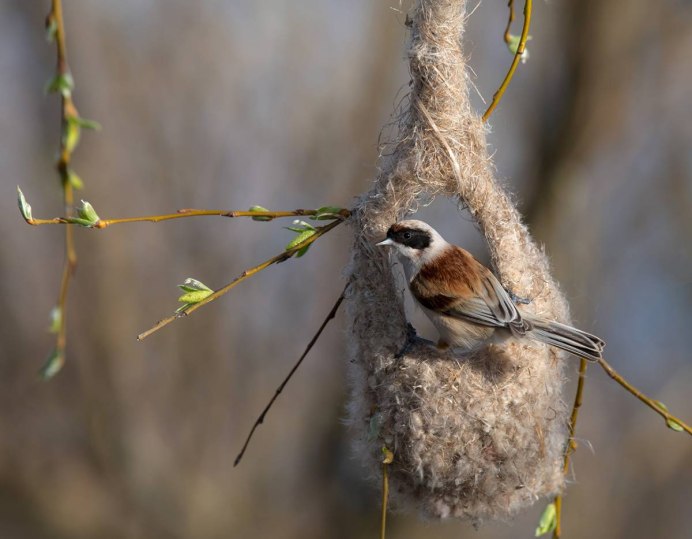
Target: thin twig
<point>67,108</point>
<point>282,256</point>
<point>260,418</point>
<point>571,444</point>
<point>388,459</point>
<point>184,213</point>
<point>651,403</point>
<point>515,61</point>
<point>510,20</point>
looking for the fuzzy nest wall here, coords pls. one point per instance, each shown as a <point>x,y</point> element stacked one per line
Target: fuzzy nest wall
<point>476,437</point>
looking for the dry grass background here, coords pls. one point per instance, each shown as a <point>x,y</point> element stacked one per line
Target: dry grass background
<point>220,104</point>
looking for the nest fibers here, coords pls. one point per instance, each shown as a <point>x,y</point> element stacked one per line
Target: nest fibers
<point>476,437</point>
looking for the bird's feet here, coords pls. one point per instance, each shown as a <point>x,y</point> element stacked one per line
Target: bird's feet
<point>442,345</point>
<point>410,339</point>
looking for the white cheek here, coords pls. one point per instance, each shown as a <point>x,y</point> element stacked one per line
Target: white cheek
<point>410,259</point>
<point>408,252</point>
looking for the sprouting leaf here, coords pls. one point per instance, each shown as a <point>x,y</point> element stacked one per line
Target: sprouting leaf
<point>87,214</point>
<point>300,226</point>
<point>51,28</point>
<point>329,209</point>
<point>71,136</point>
<point>671,423</point>
<point>73,130</point>
<point>302,251</point>
<point>674,425</point>
<point>548,520</point>
<point>78,221</point>
<point>53,364</point>
<point>388,456</point>
<point>85,123</point>
<point>75,181</point>
<point>513,43</point>
<point>300,238</point>
<point>24,206</point>
<point>55,319</point>
<point>195,297</point>
<point>303,232</point>
<point>513,46</point>
<point>327,212</point>
<point>195,291</point>
<point>260,217</point>
<point>193,285</point>
<point>62,83</point>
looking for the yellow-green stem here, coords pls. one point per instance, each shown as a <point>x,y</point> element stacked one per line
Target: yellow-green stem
<point>515,61</point>
<point>510,20</point>
<point>651,403</point>
<point>185,213</point>
<point>62,166</point>
<point>571,444</point>
<point>284,255</point>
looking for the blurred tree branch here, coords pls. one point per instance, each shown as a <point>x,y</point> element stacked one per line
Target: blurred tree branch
<point>258,215</point>
<point>70,123</point>
<point>672,421</point>
<point>281,257</point>
<point>260,419</point>
<point>510,20</point>
<point>571,443</point>
<point>521,47</point>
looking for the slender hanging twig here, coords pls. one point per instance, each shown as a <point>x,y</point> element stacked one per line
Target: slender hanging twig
<point>260,418</point>
<point>515,61</point>
<point>571,444</point>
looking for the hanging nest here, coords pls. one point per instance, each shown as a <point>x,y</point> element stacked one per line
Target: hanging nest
<point>477,436</point>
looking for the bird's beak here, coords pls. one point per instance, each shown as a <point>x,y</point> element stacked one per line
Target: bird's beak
<point>384,242</point>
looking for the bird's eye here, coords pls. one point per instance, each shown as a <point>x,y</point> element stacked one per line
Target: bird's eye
<point>407,235</point>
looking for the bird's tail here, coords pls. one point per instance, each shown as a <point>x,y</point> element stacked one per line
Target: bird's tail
<point>567,338</point>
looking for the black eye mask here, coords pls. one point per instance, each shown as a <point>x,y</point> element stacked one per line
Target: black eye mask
<point>416,239</point>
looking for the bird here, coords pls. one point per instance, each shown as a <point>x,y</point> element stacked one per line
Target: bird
<point>466,302</point>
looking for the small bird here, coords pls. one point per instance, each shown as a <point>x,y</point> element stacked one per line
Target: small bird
<point>466,302</point>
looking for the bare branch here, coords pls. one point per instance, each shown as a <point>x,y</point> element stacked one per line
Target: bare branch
<point>656,406</point>
<point>515,62</point>
<point>571,444</point>
<point>260,418</point>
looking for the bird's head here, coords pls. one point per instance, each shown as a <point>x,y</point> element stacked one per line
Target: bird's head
<point>416,242</point>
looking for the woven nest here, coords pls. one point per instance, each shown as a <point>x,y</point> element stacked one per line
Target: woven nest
<point>476,437</point>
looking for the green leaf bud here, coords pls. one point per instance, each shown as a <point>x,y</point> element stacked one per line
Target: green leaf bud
<point>548,520</point>
<point>24,206</point>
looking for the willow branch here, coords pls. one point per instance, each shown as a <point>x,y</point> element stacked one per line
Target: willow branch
<point>261,417</point>
<point>185,213</point>
<point>515,61</point>
<point>281,257</point>
<point>651,403</point>
<point>571,444</point>
<point>67,108</point>
<point>510,20</point>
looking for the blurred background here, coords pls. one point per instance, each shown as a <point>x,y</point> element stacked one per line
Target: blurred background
<point>226,104</point>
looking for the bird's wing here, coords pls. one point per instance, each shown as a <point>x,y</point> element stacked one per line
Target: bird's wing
<point>466,289</point>
<point>490,305</point>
